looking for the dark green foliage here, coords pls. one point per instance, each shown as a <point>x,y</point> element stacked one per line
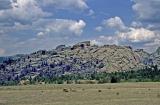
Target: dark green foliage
<point>151,74</point>
<point>148,74</point>
<point>117,93</point>
<point>115,79</point>
<point>99,90</point>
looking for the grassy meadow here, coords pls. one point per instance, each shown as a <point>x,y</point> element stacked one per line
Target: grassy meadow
<point>84,94</point>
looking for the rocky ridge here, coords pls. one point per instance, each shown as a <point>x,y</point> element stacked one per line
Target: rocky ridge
<point>79,58</point>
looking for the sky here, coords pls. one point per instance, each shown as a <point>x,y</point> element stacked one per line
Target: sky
<point>30,25</point>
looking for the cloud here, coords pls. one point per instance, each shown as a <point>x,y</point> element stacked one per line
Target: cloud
<point>136,24</point>
<point>146,44</point>
<point>136,35</point>
<point>143,31</point>
<point>139,35</point>
<point>7,44</point>
<point>40,34</point>
<point>77,27</point>
<point>147,10</point>
<point>5,4</point>
<point>65,4</point>
<point>23,11</point>
<point>2,52</point>
<point>109,39</point>
<point>91,12</point>
<point>27,11</point>
<point>95,42</point>
<point>115,23</point>
<point>71,5</point>
<point>42,43</point>
<point>61,27</point>
<point>50,33</point>
<point>29,25</point>
<point>99,28</point>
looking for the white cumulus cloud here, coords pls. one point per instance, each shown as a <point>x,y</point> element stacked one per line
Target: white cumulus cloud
<point>62,27</point>
<point>65,4</point>
<point>148,10</point>
<point>99,28</point>
<point>115,22</point>
<point>138,35</point>
<point>24,11</point>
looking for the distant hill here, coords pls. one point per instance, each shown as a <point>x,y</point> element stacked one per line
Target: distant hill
<point>11,57</point>
<point>82,58</point>
<point>1,59</point>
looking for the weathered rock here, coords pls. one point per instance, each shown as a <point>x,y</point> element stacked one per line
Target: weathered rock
<point>81,58</point>
<point>82,45</point>
<point>156,57</point>
<point>60,47</point>
<point>144,57</point>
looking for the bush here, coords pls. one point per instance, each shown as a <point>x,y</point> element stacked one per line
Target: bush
<point>65,90</point>
<point>60,81</point>
<point>99,90</point>
<point>117,93</point>
<point>115,79</point>
<point>158,95</point>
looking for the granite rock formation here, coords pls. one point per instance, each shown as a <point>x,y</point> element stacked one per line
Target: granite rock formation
<point>79,58</point>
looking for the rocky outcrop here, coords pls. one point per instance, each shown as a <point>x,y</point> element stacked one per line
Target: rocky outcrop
<point>80,58</point>
<point>158,51</point>
<point>82,45</point>
<point>156,57</point>
<point>144,57</point>
<point>115,58</point>
<point>60,47</point>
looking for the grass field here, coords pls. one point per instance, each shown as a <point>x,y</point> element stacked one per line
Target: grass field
<point>106,94</point>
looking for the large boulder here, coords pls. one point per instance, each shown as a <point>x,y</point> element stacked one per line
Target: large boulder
<point>82,45</point>
<point>60,47</point>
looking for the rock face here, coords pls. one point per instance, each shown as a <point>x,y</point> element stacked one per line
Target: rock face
<point>60,47</point>
<point>156,57</point>
<point>158,51</point>
<point>82,45</point>
<point>144,57</point>
<point>115,58</point>
<point>80,58</point>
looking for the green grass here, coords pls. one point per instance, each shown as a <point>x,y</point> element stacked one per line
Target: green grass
<point>96,94</point>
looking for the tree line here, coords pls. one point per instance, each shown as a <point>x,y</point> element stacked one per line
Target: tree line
<point>147,74</point>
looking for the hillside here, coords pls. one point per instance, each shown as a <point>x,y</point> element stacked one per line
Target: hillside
<point>2,59</point>
<point>156,57</point>
<point>80,58</point>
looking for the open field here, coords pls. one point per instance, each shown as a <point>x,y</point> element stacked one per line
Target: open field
<point>106,94</point>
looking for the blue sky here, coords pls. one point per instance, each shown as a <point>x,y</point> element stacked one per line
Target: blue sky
<point>30,25</point>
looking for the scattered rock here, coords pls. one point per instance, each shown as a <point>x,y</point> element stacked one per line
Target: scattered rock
<point>80,58</point>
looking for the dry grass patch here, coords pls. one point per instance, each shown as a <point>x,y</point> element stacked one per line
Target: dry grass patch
<point>83,94</point>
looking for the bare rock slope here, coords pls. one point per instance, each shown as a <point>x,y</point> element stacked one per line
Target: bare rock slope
<point>80,58</point>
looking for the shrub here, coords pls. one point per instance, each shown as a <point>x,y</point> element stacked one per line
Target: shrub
<point>117,93</point>
<point>83,89</point>
<point>99,90</point>
<point>158,95</point>
<point>114,79</point>
<point>59,81</point>
<point>65,90</point>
